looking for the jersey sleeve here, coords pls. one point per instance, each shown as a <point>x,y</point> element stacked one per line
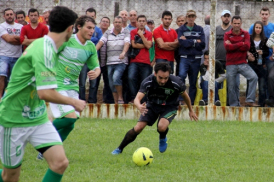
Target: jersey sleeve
<point>93,62</point>
<point>44,67</point>
<point>145,84</point>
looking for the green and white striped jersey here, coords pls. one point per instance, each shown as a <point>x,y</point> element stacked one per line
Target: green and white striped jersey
<point>71,61</point>
<point>34,70</point>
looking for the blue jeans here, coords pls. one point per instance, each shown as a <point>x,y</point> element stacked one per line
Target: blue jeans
<point>231,75</point>
<point>171,63</point>
<point>115,73</point>
<point>204,86</point>
<point>107,94</point>
<point>191,68</point>
<point>93,86</point>
<point>137,72</point>
<point>6,65</point>
<point>262,77</point>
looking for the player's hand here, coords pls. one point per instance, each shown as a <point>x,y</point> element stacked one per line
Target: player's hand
<point>140,32</point>
<point>79,105</point>
<point>193,116</point>
<point>198,40</point>
<point>92,75</point>
<point>143,109</point>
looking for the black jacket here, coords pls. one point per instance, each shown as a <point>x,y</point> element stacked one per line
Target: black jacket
<point>262,46</point>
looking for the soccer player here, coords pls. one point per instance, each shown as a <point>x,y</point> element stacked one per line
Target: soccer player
<point>162,90</point>
<point>79,50</point>
<point>23,112</point>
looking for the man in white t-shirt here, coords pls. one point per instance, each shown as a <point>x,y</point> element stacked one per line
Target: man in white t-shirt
<point>10,48</point>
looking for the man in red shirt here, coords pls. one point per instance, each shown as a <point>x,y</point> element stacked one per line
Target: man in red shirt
<point>237,43</point>
<point>33,30</point>
<point>166,40</point>
<point>139,67</point>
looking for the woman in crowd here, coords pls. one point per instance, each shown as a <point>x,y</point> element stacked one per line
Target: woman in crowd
<point>256,58</point>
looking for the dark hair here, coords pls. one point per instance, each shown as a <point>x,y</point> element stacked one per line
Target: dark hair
<point>166,13</point>
<point>262,35</point>
<point>19,12</point>
<point>163,66</point>
<point>7,9</point>
<point>206,52</point>
<point>265,9</point>
<point>207,20</point>
<point>91,10</point>
<point>106,18</point>
<point>82,20</point>
<point>141,16</point>
<point>118,17</point>
<point>61,18</point>
<point>237,17</point>
<point>33,10</point>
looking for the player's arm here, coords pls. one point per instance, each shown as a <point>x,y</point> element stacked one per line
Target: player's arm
<point>137,45</point>
<point>12,39</point>
<point>92,74</point>
<point>137,101</point>
<point>147,43</point>
<point>51,95</point>
<point>187,100</point>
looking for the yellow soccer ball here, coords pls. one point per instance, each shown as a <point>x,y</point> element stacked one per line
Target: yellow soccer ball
<point>142,156</point>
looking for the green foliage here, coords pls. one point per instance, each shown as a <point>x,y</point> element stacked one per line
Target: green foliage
<point>197,151</point>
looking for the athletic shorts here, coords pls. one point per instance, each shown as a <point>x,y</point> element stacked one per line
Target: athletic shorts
<point>157,112</point>
<point>14,140</point>
<point>60,110</point>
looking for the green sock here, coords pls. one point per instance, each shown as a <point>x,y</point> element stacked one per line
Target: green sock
<point>64,132</point>
<point>60,123</point>
<point>1,180</point>
<point>52,176</point>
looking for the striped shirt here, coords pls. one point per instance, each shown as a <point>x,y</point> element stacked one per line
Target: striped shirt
<point>115,45</point>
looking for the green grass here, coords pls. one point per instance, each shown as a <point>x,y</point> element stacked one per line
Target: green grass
<point>202,151</point>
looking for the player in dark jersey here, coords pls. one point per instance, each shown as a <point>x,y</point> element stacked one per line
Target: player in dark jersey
<point>162,90</point>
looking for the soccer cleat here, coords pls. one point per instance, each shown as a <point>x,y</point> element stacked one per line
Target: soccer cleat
<point>40,156</point>
<point>202,103</point>
<point>217,103</point>
<point>116,151</point>
<point>163,145</point>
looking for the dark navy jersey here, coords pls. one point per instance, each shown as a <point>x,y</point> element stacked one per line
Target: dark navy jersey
<point>163,95</point>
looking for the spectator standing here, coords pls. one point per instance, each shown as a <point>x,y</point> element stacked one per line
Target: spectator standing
<point>124,15</point>
<point>207,35</point>
<point>20,17</point>
<point>220,53</point>
<point>107,94</point>
<point>33,30</point>
<point>151,25</point>
<point>237,43</point>
<point>192,42</point>
<point>139,67</point>
<point>133,21</point>
<point>93,84</point>
<point>219,78</point>
<point>10,48</point>
<point>180,21</point>
<point>257,56</point>
<point>166,41</point>
<point>45,15</point>
<point>118,41</point>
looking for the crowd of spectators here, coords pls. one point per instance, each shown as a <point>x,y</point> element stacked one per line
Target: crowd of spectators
<point>129,49</point>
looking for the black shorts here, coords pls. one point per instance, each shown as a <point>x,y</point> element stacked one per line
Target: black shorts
<point>157,112</point>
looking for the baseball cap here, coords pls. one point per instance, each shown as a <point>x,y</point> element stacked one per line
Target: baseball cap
<point>150,21</point>
<point>226,12</point>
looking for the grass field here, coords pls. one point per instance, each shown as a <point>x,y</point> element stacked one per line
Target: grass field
<point>202,151</point>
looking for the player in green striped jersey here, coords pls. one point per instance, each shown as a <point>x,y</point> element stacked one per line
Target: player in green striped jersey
<point>76,52</point>
<point>23,115</point>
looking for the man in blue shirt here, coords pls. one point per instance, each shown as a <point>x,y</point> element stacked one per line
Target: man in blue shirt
<point>93,84</point>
